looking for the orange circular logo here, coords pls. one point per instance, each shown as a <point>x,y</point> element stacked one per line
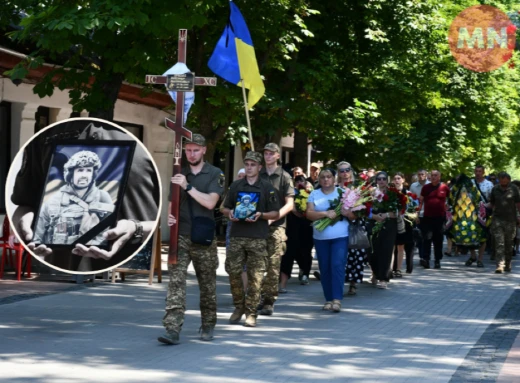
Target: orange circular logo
<point>482,38</point>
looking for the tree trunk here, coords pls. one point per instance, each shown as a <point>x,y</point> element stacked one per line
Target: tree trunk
<point>301,157</point>
<point>109,86</point>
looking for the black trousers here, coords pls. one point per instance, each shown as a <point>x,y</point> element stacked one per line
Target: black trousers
<point>432,231</point>
<point>382,253</point>
<point>419,242</point>
<point>299,246</point>
<point>409,252</point>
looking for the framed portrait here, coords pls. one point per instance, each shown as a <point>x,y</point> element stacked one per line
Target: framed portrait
<point>82,192</point>
<point>246,203</point>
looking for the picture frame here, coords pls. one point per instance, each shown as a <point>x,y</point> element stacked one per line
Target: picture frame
<point>246,205</point>
<point>82,193</point>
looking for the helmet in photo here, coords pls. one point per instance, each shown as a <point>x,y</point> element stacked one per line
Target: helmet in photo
<point>83,159</point>
<point>244,197</point>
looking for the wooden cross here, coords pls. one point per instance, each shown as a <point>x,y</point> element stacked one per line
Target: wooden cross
<point>180,131</point>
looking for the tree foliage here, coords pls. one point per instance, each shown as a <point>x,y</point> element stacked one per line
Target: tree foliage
<point>372,82</point>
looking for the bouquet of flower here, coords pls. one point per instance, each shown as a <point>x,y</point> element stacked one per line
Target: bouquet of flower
<point>335,205</point>
<point>390,201</point>
<point>302,195</point>
<point>358,200</point>
<point>412,204</point>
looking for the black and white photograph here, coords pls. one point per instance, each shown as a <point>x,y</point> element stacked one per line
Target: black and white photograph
<point>83,196</point>
<point>82,191</point>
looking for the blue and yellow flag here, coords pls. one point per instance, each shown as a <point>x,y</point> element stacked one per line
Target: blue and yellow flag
<point>234,57</point>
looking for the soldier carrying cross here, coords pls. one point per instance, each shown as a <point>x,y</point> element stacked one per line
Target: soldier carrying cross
<point>195,191</point>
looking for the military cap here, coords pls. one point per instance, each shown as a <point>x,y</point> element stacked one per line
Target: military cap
<point>253,156</point>
<point>272,147</point>
<point>197,139</point>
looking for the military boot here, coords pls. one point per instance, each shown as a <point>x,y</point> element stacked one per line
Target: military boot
<point>250,321</point>
<point>267,310</point>
<point>236,316</point>
<point>171,337</point>
<point>206,333</point>
<point>508,266</point>
<point>260,304</point>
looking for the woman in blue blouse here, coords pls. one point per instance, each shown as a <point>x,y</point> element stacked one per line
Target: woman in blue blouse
<point>332,243</point>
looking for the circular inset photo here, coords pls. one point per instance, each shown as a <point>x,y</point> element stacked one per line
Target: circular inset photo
<point>83,196</point>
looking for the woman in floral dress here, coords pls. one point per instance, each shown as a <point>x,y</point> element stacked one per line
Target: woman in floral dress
<point>355,257</point>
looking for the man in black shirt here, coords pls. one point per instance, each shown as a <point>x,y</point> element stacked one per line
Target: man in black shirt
<point>248,238</point>
<point>201,187</point>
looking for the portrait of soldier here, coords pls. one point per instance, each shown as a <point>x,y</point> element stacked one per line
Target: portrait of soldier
<point>245,208</point>
<point>77,206</point>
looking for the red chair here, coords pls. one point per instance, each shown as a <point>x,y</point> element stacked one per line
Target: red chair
<point>18,250</point>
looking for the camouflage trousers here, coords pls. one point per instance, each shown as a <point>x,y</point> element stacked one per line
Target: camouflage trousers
<point>275,250</point>
<point>205,262</point>
<point>504,235</point>
<point>251,252</point>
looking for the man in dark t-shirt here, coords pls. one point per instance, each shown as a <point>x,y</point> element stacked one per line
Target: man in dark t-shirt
<point>201,186</point>
<point>248,237</point>
<point>284,187</point>
<point>433,198</point>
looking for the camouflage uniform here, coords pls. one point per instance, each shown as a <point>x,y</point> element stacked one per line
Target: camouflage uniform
<point>504,233</point>
<point>276,246</point>
<point>251,252</point>
<point>205,261</point>
<point>248,240</point>
<point>503,225</point>
<point>66,217</point>
<point>208,180</point>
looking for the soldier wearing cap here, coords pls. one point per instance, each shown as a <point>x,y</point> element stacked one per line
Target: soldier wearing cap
<point>283,184</point>
<point>248,238</point>
<point>313,177</point>
<point>201,187</point>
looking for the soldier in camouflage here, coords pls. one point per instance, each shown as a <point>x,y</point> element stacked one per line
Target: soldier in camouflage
<point>276,246</point>
<point>77,207</point>
<point>201,187</point>
<point>505,200</point>
<point>248,245</point>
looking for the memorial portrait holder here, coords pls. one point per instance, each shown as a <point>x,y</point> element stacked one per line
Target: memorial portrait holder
<point>83,191</point>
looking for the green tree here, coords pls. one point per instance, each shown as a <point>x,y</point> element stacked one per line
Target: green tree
<point>101,43</point>
<point>386,92</point>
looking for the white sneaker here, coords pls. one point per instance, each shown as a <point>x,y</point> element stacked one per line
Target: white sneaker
<point>305,280</point>
<point>382,285</point>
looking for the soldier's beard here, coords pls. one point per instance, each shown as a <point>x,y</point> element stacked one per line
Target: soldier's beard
<point>195,163</point>
<point>82,186</point>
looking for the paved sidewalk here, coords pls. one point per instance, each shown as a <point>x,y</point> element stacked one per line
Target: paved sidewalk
<point>432,326</point>
<point>510,372</point>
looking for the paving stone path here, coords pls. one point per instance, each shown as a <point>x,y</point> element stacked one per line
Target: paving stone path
<point>456,324</point>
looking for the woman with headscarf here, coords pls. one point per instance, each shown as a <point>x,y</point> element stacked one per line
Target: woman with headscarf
<point>383,241</point>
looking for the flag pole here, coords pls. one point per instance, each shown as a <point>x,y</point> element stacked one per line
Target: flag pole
<point>247,116</point>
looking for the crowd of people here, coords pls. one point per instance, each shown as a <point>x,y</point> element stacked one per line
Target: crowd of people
<point>277,217</point>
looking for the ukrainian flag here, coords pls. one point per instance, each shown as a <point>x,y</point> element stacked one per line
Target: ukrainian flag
<point>234,57</point>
